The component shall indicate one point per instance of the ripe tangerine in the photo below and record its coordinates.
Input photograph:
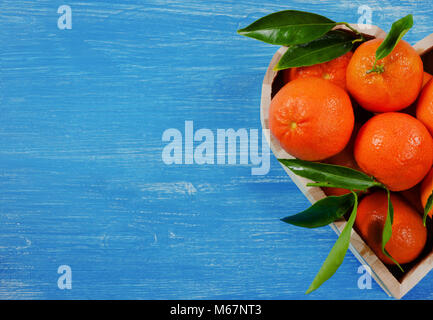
(396, 149)
(394, 86)
(311, 118)
(409, 235)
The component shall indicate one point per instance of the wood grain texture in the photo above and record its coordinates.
(82, 182)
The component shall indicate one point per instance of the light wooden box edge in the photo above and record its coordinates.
(358, 247)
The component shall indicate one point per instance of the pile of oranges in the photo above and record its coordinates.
(316, 116)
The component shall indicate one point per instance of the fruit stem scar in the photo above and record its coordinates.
(377, 68)
(293, 125)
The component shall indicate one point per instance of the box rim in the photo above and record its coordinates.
(358, 247)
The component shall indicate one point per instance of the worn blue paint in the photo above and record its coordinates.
(82, 182)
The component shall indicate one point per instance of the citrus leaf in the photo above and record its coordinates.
(336, 255)
(428, 208)
(288, 27)
(329, 175)
(398, 30)
(323, 212)
(387, 230)
(328, 47)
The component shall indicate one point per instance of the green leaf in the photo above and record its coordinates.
(288, 27)
(323, 212)
(328, 47)
(328, 175)
(428, 208)
(336, 255)
(387, 230)
(398, 30)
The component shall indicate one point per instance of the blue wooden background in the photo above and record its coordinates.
(82, 183)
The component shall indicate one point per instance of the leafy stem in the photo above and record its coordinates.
(361, 36)
(323, 212)
(329, 209)
(387, 230)
(311, 38)
(332, 45)
(428, 208)
(398, 30)
(338, 252)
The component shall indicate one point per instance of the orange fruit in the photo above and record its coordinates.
(391, 90)
(396, 149)
(426, 190)
(311, 118)
(424, 107)
(426, 78)
(409, 235)
(334, 71)
(412, 196)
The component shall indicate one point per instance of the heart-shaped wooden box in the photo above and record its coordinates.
(394, 282)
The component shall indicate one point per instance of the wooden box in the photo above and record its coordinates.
(393, 281)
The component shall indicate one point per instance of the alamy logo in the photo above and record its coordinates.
(366, 17)
(65, 20)
(181, 148)
(65, 280)
(364, 281)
